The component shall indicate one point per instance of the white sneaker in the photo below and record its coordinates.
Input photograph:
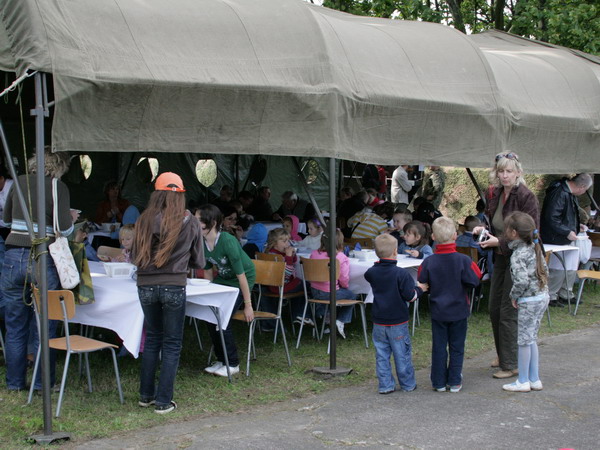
(222, 371)
(536, 385)
(517, 387)
(307, 321)
(215, 366)
(340, 328)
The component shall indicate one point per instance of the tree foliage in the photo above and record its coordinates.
(570, 23)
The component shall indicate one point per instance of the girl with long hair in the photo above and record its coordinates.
(167, 242)
(236, 269)
(529, 296)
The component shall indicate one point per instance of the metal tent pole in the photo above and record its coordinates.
(333, 369)
(40, 112)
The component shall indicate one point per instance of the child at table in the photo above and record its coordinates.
(399, 220)
(290, 224)
(529, 294)
(168, 241)
(392, 288)
(321, 290)
(313, 240)
(278, 243)
(81, 236)
(234, 268)
(416, 240)
(126, 237)
(450, 275)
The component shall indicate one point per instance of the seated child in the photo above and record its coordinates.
(126, 235)
(257, 238)
(313, 240)
(466, 240)
(400, 219)
(321, 290)
(449, 275)
(392, 288)
(290, 223)
(278, 243)
(416, 240)
(81, 236)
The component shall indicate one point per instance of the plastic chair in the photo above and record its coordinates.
(363, 242)
(110, 252)
(290, 296)
(318, 270)
(61, 306)
(268, 273)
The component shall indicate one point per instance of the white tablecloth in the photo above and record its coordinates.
(117, 306)
(357, 283)
(570, 254)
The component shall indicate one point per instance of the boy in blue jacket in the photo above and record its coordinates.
(450, 275)
(392, 288)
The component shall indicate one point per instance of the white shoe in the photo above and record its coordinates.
(307, 321)
(517, 387)
(340, 328)
(222, 371)
(536, 385)
(215, 366)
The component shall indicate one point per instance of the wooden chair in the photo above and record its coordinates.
(317, 270)
(110, 252)
(584, 275)
(289, 296)
(61, 306)
(363, 242)
(268, 273)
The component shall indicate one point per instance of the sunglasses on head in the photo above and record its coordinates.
(507, 156)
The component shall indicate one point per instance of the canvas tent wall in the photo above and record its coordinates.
(287, 78)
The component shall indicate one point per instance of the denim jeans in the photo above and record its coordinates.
(344, 313)
(19, 316)
(395, 340)
(164, 316)
(215, 336)
(447, 336)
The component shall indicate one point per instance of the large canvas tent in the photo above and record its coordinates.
(288, 78)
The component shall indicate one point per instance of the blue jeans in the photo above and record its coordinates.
(344, 313)
(447, 336)
(395, 340)
(19, 316)
(215, 336)
(164, 316)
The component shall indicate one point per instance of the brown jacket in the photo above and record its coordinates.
(519, 199)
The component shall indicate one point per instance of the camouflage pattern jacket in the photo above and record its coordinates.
(522, 270)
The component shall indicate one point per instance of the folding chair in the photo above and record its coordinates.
(317, 270)
(268, 273)
(583, 276)
(61, 306)
(363, 242)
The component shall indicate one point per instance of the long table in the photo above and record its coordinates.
(117, 306)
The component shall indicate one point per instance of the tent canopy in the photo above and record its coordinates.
(287, 78)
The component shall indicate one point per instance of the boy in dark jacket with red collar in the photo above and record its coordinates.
(450, 276)
(393, 287)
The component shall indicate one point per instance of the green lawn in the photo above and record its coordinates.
(87, 416)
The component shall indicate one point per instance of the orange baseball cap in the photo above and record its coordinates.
(169, 181)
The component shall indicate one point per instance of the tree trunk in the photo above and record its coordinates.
(499, 13)
(454, 6)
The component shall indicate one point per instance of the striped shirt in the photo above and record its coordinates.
(370, 225)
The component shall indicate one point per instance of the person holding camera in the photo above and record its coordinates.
(507, 194)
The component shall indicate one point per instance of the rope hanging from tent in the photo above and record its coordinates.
(17, 82)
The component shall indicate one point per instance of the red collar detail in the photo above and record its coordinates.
(445, 248)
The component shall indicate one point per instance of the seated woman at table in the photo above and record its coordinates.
(111, 209)
(167, 242)
(322, 290)
(278, 243)
(224, 253)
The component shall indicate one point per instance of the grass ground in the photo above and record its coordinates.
(99, 414)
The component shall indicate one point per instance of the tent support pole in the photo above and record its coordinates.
(474, 181)
(310, 195)
(40, 112)
(333, 369)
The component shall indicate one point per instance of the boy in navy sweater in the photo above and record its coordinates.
(450, 275)
(392, 288)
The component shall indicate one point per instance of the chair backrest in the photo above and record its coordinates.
(111, 252)
(55, 311)
(595, 238)
(547, 256)
(471, 252)
(318, 269)
(364, 242)
(268, 256)
(269, 273)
